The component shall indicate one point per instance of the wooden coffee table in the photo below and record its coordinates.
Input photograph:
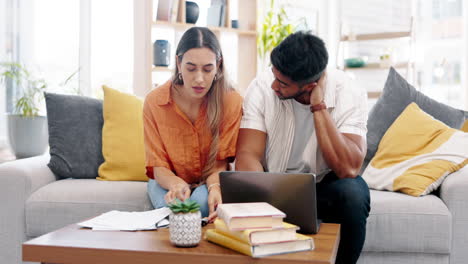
(73, 244)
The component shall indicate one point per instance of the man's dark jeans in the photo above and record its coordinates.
(347, 202)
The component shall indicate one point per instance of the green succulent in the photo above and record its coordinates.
(187, 206)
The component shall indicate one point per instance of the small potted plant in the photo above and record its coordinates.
(185, 223)
(27, 129)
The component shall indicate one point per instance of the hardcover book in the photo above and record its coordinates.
(259, 236)
(241, 216)
(301, 243)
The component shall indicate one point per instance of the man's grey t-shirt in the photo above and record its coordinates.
(303, 130)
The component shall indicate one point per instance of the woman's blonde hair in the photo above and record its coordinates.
(200, 37)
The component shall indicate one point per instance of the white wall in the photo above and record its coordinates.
(142, 36)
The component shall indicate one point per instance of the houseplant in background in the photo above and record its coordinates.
(185, 223)
(273, 30)
(27, 129)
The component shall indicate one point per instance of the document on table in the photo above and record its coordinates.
(129, 221)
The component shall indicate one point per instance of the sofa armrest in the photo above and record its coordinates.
(454, 193)
(18, 180)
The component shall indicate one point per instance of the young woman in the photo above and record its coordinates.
(191, 125)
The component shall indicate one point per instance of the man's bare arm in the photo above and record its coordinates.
(343, 153)
(250, 149)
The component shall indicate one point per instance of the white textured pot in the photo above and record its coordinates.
(28, 136)
(185, 229)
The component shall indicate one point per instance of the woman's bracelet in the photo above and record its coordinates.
(212, 185)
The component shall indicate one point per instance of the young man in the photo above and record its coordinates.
(300, 117)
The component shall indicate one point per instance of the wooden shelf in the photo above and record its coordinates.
(373, 95)
(377, 66)
(161, 69)
(184, 26)
(377, 36)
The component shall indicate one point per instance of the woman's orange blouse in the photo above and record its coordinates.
(173, 142)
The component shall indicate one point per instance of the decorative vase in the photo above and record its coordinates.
(185, 229)
(191, 12)
(28, 136)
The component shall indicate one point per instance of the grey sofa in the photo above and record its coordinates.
(400, 229)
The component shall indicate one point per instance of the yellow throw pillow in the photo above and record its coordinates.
(122, 138)
(416, 154)
(465, 126)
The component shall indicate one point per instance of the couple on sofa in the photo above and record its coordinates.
(191, 127)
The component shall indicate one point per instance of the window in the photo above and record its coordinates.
(56, 38)
(440, 50)
(94, 37)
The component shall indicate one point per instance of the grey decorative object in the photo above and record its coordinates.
(185, 229)
(191, 12)
(161, 53)
(28, 136)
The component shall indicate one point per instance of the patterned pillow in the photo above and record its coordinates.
(465, 126)
(397, 95)
(416, 154)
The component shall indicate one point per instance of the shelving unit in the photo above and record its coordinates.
(185, 26)
(407, 65)
(377, 36)
(376, 66)
(242, 62)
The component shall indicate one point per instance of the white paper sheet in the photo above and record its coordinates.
(127, 221)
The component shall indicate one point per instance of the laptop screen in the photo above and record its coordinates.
(292, 193)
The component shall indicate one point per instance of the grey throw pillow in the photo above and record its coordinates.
(397, 94)
(75, 135)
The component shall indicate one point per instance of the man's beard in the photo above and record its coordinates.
(294, 96)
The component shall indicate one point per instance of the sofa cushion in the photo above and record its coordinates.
(397, 94)
(122, 138)
(70, 201)
(403, 223)
(416, 154)
(75, 125)
(465, 127)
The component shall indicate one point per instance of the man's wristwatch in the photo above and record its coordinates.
(318, 107)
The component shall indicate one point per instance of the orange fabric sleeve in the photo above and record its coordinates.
(230, 127)
(156, 155)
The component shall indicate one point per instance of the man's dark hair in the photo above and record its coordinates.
(301, 56)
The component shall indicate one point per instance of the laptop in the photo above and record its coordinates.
(292, 193)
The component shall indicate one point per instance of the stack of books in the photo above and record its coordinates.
(257, 230)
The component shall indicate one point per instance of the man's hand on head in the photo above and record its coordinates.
(317, 94)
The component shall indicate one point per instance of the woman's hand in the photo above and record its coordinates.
(180, 190)
(214, 198)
